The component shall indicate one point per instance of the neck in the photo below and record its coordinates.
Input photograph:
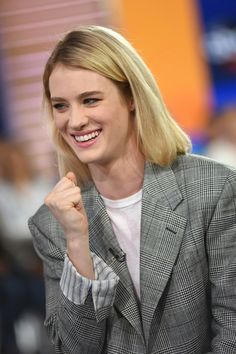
(120, 179)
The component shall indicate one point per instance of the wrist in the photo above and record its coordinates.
(73, 236)
(78, 245)
(82, 260)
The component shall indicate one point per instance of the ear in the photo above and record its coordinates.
(131, 104)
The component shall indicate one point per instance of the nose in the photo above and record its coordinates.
(77, 118)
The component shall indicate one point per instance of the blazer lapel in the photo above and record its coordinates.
(103, 242)
(161, 235)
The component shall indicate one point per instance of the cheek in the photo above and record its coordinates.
(119, 117)
(59, 122)
(124, 122)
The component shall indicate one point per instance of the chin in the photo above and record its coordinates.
(88, 157)
(87, 160)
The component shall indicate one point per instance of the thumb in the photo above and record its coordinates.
(70, 175)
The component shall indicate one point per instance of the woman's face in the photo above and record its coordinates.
(92, 116)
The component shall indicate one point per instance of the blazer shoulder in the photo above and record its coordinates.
(198, 164)
(201, 176)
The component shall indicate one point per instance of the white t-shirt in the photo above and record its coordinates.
(125, 216)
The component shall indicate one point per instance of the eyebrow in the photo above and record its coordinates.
(81, 96)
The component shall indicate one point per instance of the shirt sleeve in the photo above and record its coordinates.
(76, 287)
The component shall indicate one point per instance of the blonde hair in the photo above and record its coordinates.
(106, 52)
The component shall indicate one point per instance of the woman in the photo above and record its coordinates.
(138, 236)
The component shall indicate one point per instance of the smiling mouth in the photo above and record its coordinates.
(87, 137)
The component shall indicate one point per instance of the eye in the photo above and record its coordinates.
(60, 107)
(90, 101)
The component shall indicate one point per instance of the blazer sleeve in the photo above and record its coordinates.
(221, 249)
(76, 287)
(73, 328)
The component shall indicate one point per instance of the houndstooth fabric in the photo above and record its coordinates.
(187, 268)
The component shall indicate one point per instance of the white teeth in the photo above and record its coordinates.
(86, 137)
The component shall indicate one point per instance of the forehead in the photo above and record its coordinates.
(65, 78)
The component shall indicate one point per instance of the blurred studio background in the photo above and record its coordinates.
(190, 45)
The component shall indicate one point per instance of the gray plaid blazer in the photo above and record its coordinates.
(187, 268)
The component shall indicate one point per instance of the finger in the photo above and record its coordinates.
(71, 195)
(75, 197)
(71, 176)
(64, 200)
(64, 184)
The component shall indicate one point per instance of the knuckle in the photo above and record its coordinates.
(77, 189)
(47, 199)
(58, 204)
(52, 201)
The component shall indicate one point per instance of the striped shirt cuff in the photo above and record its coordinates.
(76, 287)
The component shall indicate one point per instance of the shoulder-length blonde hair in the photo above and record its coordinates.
(106, 52)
